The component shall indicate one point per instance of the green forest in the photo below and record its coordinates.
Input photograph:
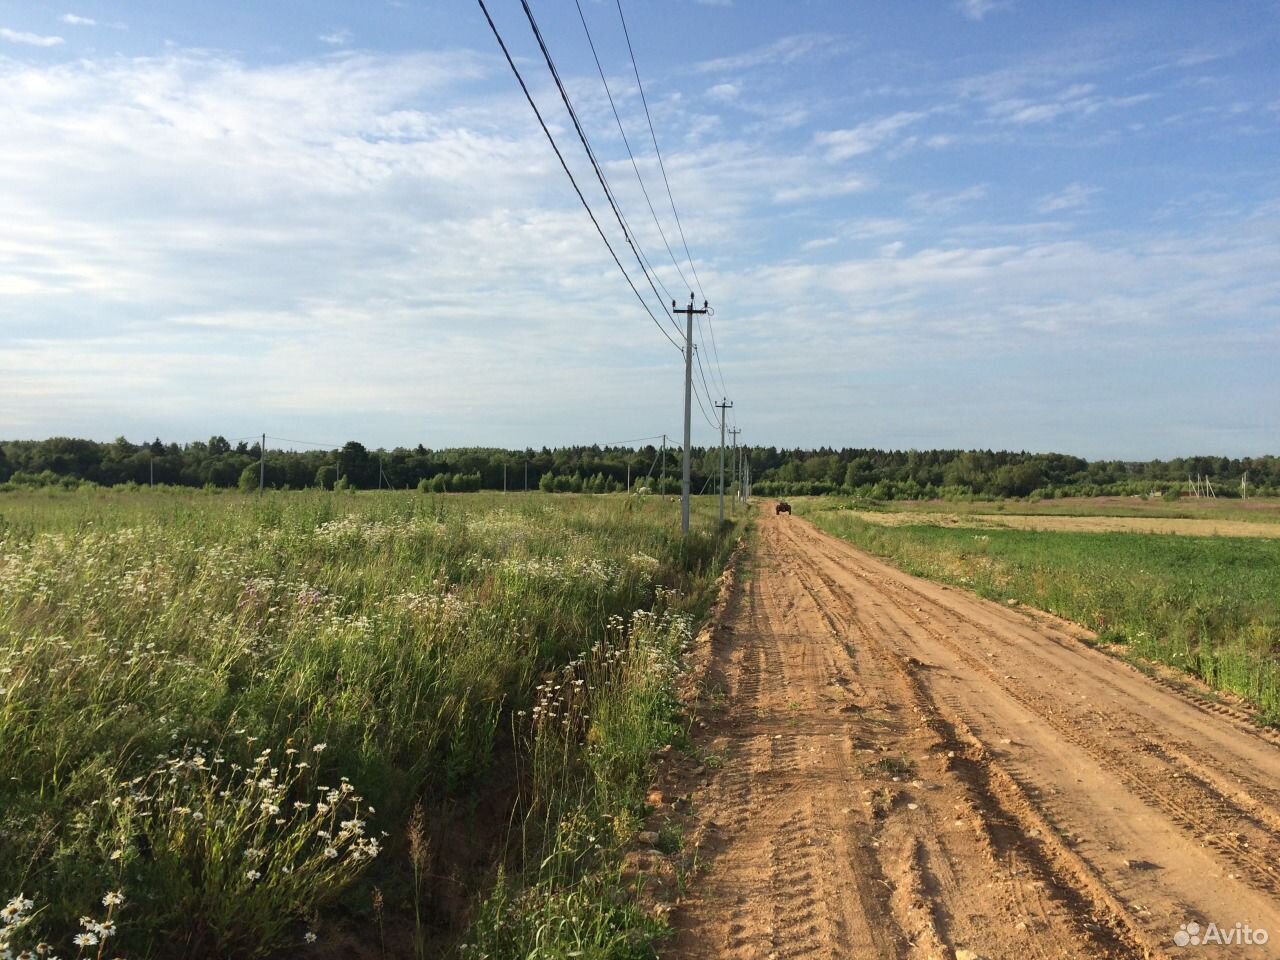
(875, 474)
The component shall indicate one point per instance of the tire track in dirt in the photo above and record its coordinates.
(1236, 823)
(1157, 829)
(855, 811)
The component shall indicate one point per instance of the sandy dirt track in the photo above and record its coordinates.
(904, 770)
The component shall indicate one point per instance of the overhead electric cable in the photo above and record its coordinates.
(559, 156)
(701, 373)
(706, 416)
(661, 166)
(308, 443)
(586, 145)
(715, 350)
(627, 143)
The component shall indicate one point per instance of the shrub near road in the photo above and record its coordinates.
(218, 713)
(1207, 605)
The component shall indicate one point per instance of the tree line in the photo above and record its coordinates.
(876, 474)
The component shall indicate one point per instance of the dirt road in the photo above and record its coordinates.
(898, 769)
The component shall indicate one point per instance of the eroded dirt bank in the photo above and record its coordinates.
(902, 770)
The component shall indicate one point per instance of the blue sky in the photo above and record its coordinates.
(990, 223)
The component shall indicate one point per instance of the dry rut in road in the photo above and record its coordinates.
(908, 771)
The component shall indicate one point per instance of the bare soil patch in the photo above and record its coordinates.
(904, 770)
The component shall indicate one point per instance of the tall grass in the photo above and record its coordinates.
(1206, 605)
(224, 708)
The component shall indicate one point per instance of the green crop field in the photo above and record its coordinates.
(235, 726)
(1206, 605)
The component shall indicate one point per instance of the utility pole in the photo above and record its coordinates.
(689, 313)
(504, 476)
(526, 474)
(262, 464)
(723, 405)
(734, 472)
(662, 483)
(151, 461)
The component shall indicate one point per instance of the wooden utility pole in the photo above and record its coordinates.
(723, 405)
(689, 313)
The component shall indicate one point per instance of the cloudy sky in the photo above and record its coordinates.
(992, 223)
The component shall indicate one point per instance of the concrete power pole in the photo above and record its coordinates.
(262, 464)
(662, 483)
(689, 313)
(723, 405)
(733, 474)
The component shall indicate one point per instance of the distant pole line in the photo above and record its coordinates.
(724, 405)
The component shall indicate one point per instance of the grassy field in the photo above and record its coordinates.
(1206, 605)
(375, 724)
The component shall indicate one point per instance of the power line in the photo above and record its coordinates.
(715, 349)
(661, 166)
(697, 355)
(706, 416)
(309, 443)
(591, 156)
(565, 166)
(627, 143)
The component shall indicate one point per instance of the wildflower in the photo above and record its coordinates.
(253, 875)
(319, 748)
(331, 852)
(15, 908)
(84, 939)
(309, 937)
(113, 898)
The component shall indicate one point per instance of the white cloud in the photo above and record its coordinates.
(30, 39)
(76, 21)
(978, 9)
(723, 91)
(336, 38)
(936, 202)
(820, 188)
(1080, 100)
(785, 50)
(1071, 197)
(865, 137)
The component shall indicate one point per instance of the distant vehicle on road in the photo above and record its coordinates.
(783, 507)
